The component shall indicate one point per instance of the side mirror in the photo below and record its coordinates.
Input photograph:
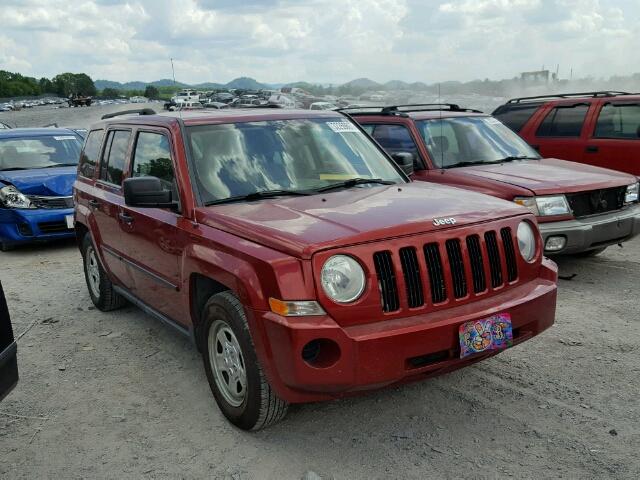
(146, 192)
(404, 161)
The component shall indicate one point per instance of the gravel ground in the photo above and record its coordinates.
(119, 395)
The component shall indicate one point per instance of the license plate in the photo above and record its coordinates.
(493, 333)
(69, 220)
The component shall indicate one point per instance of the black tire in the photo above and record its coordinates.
(5, 247)
(260, 407)
(105, 298)
(591, 253)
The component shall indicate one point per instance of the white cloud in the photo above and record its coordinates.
(318, 40)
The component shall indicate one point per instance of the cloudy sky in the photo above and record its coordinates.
(329, 41)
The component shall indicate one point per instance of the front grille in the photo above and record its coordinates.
(470, 261)
(51, 203)
(594, 202)
(53, 227)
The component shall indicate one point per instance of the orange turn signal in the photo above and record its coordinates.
(301, 308)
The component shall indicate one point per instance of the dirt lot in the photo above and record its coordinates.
(119, 395)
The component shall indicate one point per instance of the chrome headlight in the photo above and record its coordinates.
(526, 241)
(545, 205)
(11, 197)
(342, 279)
(632, 193)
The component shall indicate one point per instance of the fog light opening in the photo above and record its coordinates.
(555, 243)
(321, 353)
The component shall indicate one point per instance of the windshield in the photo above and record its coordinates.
(39, 152)
(471, 140)
(238, 159)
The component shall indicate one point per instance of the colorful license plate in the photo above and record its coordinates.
(493, 333)
(69, 220)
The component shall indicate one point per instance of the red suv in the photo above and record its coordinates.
(581, 209)
(298, 257)
(598, 128)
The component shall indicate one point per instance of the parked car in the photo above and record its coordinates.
(581, 209)
(298, 257)
(37, 171)
(8, 350)
(597, 128)
(322, 106)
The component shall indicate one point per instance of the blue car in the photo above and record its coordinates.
(37, 171)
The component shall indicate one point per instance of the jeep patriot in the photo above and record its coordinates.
(298, 257)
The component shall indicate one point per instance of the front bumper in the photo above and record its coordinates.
(382, 353)
(18, 226)
(594, 232)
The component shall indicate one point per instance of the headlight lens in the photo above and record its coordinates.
(342, 279)
(546, 205)
(632, 194)
(526, 241)
(11, 197)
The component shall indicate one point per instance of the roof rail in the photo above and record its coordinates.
(402, 110)
(603, 93)
(139, 111)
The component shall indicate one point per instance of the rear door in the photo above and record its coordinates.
(107, 203)
(559, 131)
(8, 349)
(614, 136)
(154, 237)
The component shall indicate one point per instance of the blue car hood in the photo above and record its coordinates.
(46, 181)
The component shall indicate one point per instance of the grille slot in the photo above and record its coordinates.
(386, 281)
(53, 227)
(509, 253)
(456, 264)
(50, 203)
(477, 267)
(436, 274)
(494, 258)
(411, 272)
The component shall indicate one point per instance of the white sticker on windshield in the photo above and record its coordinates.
(342, 127)
(66, 137)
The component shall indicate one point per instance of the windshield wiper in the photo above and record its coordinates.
(493, 162)
(13, 169)
(511, 158)
(258, 196)
(352, 182)
(61, 165)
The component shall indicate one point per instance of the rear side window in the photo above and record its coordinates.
(89, 157)
(619, 121)
(115, 157)
(152, 158)
(395, 139)
(515, 116)
(563, 121)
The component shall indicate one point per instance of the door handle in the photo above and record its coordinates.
(592, 148)
(126, 218)
(94, 203)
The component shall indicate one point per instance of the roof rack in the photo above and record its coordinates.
(402, 110)
(139, 111)
(604, 93)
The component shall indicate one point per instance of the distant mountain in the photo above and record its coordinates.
(362, 83)
(136, 85)
(245, 83)
(396, 85)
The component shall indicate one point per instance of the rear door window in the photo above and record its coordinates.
(563, 121)
(115, 157)
(395, 139)
(89, 157)
(619, 121)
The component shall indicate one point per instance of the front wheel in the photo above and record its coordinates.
(101, 290)
(236, 379)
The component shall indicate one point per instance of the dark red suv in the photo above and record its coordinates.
(298, 257)
(581, 209)
(598, 128)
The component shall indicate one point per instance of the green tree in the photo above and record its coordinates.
(151, 92)
(110, 93)
(67, 84)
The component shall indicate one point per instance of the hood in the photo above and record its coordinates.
(53, 182)
(301, 226)
(550, 176)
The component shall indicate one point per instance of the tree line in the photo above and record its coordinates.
(65, 84)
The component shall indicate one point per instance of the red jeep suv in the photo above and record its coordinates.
(598, 128)
(298, 257)
(581, 209)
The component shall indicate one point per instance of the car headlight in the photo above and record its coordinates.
(526, 241)
(545, 205)
(11, 197)
(632, 193)
(342, 279)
